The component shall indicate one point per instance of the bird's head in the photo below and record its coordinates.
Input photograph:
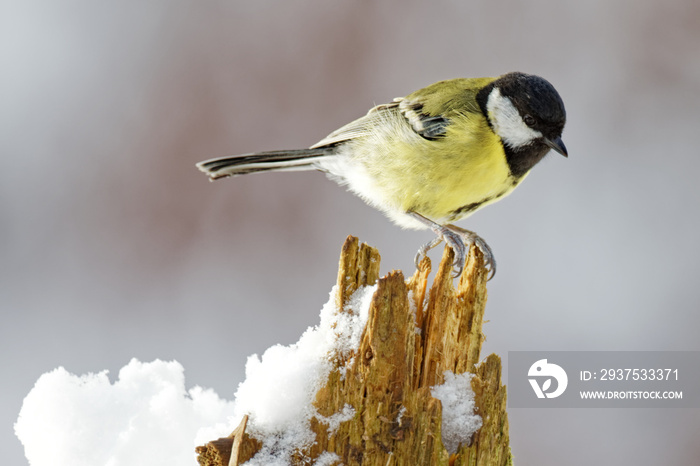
(527, 113)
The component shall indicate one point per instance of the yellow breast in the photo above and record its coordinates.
(444, 179)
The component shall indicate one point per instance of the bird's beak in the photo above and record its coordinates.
(557, 144)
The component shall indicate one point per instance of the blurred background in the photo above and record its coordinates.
(114, 246)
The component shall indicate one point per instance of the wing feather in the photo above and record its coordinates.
(428, 111)
(360, 127)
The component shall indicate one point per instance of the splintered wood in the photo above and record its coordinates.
(411, 338)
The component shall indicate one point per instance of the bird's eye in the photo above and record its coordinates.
(529, 120)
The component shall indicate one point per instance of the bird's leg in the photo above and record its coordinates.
(452, 238)
(472, 238)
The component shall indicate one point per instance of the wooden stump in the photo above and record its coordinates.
(411, 338)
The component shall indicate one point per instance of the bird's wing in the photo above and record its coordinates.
(428, 126)
(428, 111)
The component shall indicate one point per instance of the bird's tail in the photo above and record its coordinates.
(277, 160)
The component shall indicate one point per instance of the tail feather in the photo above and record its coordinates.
(282, 160)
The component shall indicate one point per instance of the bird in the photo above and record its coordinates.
(433, 157)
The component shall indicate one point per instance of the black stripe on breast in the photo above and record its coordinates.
(469, 208)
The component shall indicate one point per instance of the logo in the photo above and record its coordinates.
(543, 370)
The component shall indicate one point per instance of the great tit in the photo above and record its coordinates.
(435, 156)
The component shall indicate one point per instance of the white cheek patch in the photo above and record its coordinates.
(507, 122)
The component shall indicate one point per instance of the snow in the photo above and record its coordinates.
(148, 417)
(327, 459)
(459, 422)
(334, 421)
(145, 417)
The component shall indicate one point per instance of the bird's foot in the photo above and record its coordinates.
(472, 238)
(459, 240)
